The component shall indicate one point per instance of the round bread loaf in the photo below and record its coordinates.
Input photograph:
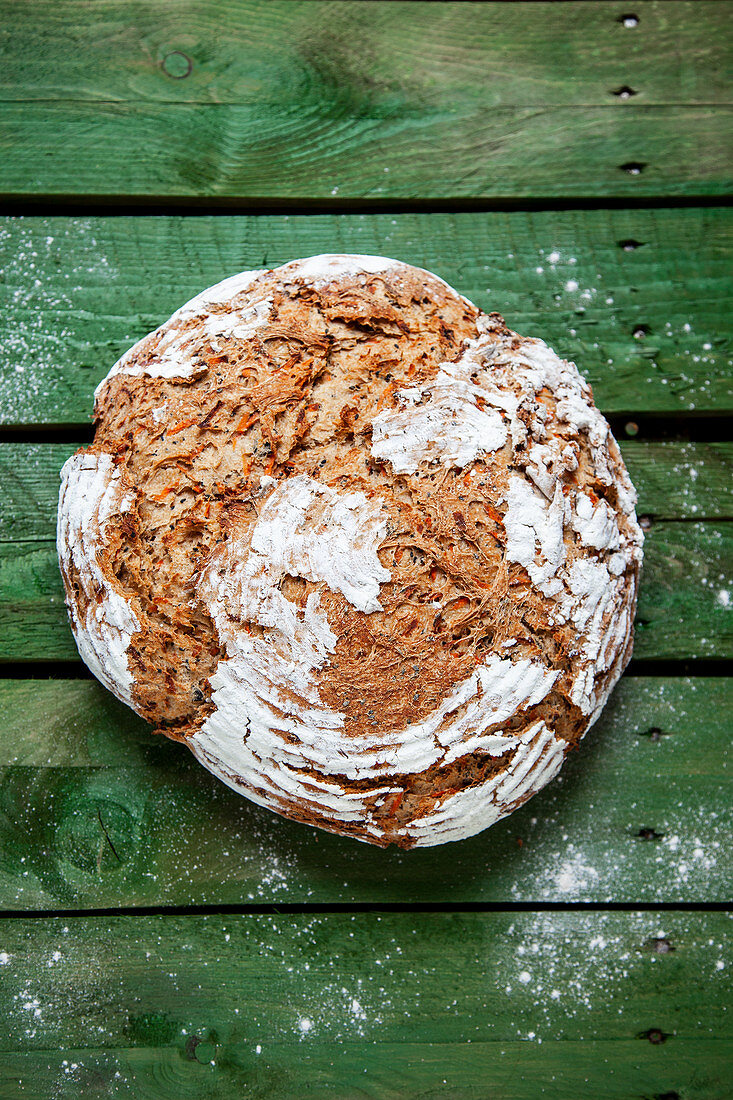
(369, 554)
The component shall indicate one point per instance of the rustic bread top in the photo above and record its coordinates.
(369, 553)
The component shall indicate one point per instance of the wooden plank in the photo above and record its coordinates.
(496, 55)
(513, 1070)
(686, 590)
(368, 1005)
(99, 813)
(321, 100)
(29, 473)
(674, 480)
(229, 152)
(684, 605)
(666, 476)
(32, 613)
(77, 292)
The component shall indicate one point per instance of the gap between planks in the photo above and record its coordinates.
(683, 427)
(354, 908)
(60, 205)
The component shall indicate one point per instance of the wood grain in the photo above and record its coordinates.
(363, 100)
(403, 1070)
(280, 55)
(368, 1006)
(98, 812)
(685, 592)
(226, 152)
(77, 292)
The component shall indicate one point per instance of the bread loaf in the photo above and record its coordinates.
(369, 554)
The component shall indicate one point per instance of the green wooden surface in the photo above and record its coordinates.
(363, 100)
(96, 812)
(379, 1005)
(683, 613)
(225, 151)
(270, 53)
(250, 105)
(684, 601)
(569, 1070)
(77, 292)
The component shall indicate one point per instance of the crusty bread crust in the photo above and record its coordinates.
(371, 555)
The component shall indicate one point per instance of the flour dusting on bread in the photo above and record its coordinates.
(101, 618)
